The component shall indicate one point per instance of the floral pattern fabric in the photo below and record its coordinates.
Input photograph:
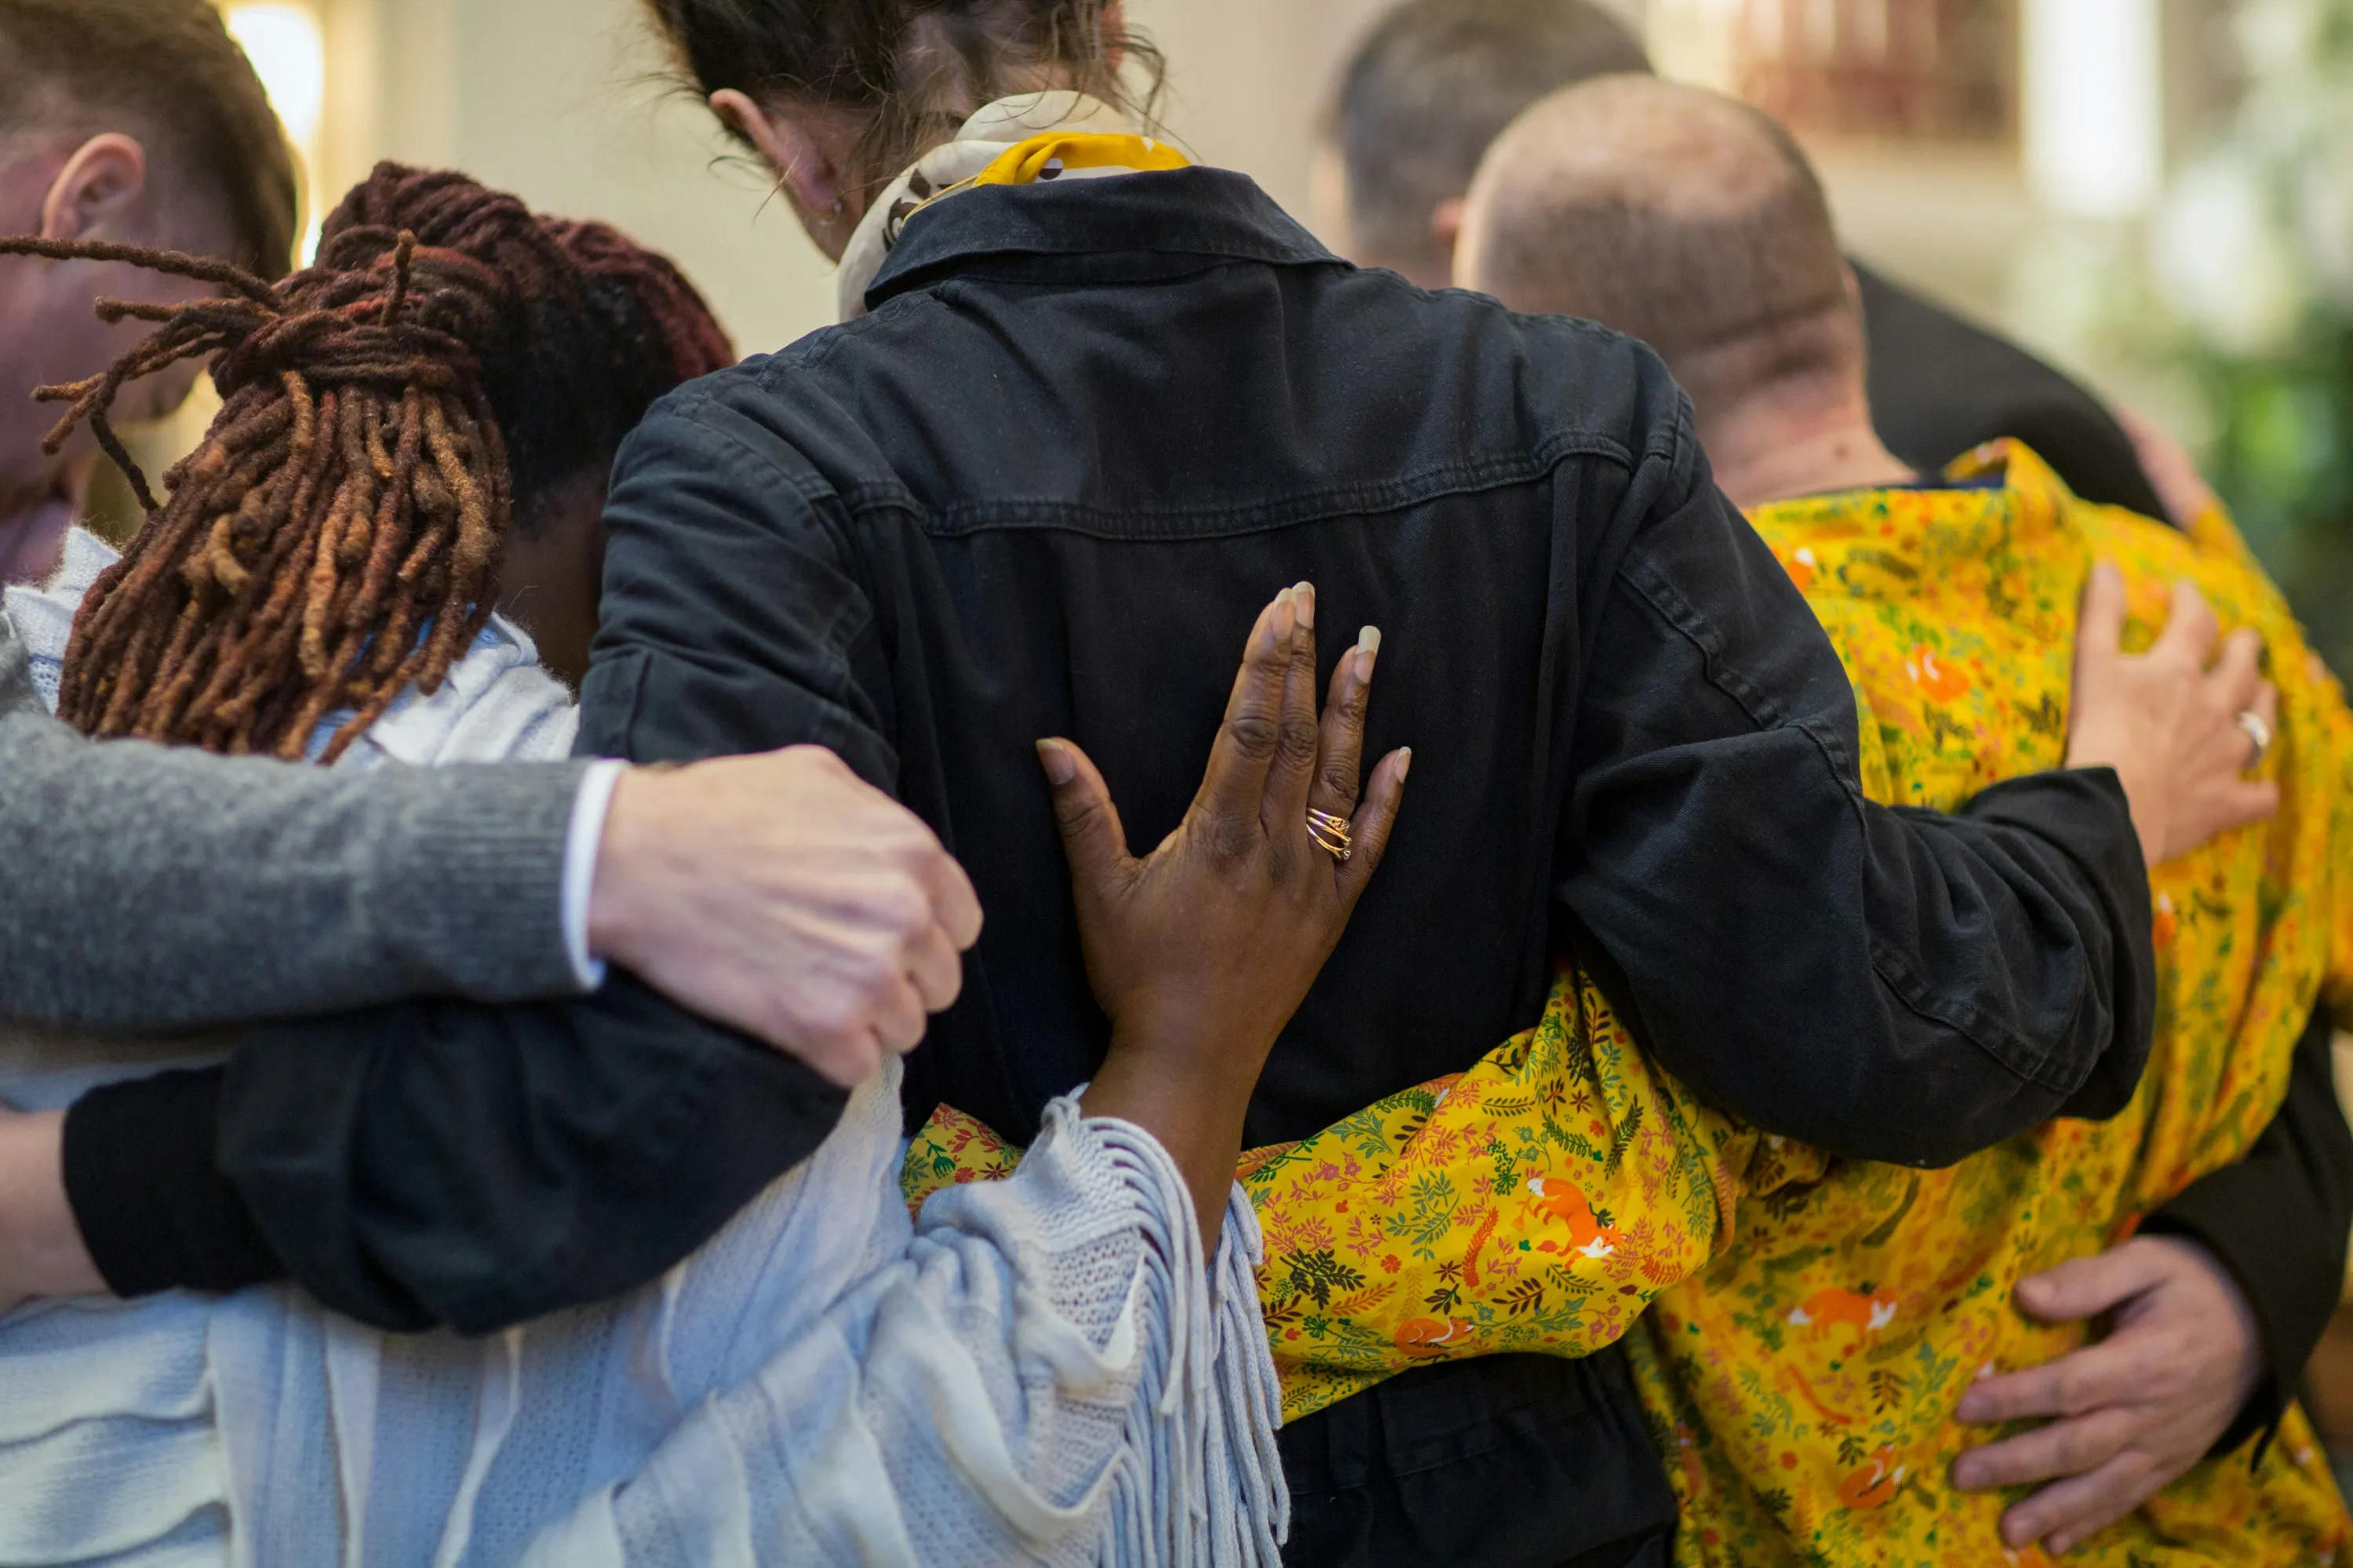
(1538, 1201)
(1816, 1320)
(1802, 1386)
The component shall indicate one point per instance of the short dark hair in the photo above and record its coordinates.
(168, 68)
(914, 69)
(1679, 216)
(1434, 83)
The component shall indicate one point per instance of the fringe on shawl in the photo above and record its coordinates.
(1202, 1425)
(1196, 1481)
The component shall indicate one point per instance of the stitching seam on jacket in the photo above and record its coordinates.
(1182, 524)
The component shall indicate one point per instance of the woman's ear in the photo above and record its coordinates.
(1446, 222)
(97, 191)
(812, 148)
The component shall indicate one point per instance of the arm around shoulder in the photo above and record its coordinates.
(474, 1165)
(163, 891)
(1885, 985)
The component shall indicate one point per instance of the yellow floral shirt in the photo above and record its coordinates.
(1816, 1319)
(1802, 1386)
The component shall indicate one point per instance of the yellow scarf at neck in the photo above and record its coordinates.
(1027, 140)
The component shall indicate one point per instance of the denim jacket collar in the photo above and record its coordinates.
(1157, 225)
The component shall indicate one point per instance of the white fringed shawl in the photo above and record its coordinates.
(1040, 1371)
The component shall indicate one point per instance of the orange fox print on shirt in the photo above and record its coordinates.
(1565, 1203)
(1866, 1312)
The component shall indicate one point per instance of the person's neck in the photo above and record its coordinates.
(1793, 442)
(36, 512)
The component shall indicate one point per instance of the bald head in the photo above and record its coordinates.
(1673, 215)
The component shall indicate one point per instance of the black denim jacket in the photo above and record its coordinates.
(1043, 489)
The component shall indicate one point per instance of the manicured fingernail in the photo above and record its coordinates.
(1285, 617)
(1055, 759)
(1304, 595)
(1405, 762)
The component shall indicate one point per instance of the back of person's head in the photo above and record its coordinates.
(1676, 215)
(591, 328)
(166, 73)
(1429, 87)
(905, 72)
(390, 417)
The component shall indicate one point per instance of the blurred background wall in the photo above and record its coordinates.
(2007, 153)
(564, 102)
(2156, 194)
(1956, 132)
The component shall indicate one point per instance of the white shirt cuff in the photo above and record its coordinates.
(581, 844)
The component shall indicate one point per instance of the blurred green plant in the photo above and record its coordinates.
(2252, 256)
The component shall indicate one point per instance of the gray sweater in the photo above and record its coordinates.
(153, 889)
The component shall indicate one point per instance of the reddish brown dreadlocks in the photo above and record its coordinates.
(338, 536)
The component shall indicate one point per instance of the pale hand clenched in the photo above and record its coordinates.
(783, 896)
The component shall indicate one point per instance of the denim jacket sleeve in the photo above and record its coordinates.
(442, 1164)
(735, 616)
(1886, 983)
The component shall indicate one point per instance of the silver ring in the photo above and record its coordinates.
(1331, 833)
(2260, 733)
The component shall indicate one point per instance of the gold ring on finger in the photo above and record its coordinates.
(1331, 833)
(2260, 733)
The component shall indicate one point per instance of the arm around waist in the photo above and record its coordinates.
(2279, 1221)
(438, 1164)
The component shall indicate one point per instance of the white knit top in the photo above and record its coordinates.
(496, 704)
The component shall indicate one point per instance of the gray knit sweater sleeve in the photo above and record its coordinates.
(153, 890)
